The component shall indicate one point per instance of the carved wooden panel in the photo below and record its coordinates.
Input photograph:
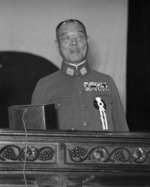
(33, 153)
(74, 159)
(106, 154)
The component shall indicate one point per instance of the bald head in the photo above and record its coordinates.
(71, 21)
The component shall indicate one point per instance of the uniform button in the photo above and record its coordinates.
(58, 104)
(84, 107)
(82, 91)
(84, 124)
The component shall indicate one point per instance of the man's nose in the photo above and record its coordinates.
(74, 41)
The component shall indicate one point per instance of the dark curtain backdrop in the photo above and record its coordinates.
(19, 73)
(138, 66)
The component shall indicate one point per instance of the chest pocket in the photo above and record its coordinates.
(60, 101)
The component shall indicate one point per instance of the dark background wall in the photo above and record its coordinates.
(138, 66)
(19, 73)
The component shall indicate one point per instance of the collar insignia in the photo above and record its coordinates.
(70, 71)
(83, 71)
(74, 70)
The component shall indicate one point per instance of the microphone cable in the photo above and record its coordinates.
(26, 147)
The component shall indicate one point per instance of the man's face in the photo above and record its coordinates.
(72, 42)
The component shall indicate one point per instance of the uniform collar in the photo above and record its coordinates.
(75, 70)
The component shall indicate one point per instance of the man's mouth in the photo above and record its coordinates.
(74, 50)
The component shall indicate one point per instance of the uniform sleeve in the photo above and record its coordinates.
(38, 96)
(119, 119)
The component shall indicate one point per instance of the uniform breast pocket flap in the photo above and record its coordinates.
(61, 101)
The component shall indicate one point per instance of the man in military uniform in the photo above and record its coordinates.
(85, 99)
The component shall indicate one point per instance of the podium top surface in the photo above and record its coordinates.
(77, 133)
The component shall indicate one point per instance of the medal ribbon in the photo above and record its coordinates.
(102, 113)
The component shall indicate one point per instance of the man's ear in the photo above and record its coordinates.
(57, 45)
(88, 39)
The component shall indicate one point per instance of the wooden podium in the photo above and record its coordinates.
(74, 159)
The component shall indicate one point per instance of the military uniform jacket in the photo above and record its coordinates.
(85, 99)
